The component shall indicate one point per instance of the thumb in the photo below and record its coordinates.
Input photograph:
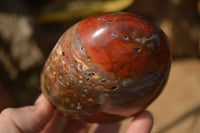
(29, 119)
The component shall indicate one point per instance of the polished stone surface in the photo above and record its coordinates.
(107, 67)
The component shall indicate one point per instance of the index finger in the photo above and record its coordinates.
(142, 123)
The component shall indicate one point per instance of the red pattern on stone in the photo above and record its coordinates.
(107, 67)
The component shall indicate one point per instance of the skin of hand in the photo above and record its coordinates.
(43, 118)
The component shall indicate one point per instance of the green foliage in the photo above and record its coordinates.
(64, 10)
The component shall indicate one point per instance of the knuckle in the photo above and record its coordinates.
(7, 112)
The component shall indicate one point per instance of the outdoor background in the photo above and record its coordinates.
(30, 28)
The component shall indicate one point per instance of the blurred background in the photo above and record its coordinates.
(30, 28)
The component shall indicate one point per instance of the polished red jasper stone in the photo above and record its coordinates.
(107, 67)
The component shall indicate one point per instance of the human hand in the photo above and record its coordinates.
(41, 117)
